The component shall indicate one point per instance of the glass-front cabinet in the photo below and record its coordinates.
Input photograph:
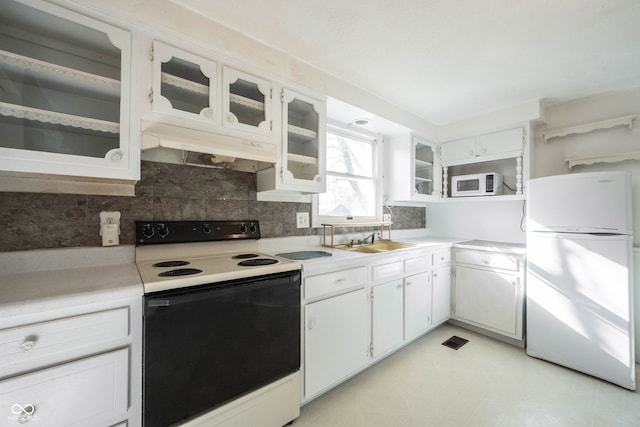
(183, 84)
(303, 141)
(422, 165)
(64, 94)
(246, 102)
(409, 169)
(301, 162)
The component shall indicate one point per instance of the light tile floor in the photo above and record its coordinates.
(484, 383)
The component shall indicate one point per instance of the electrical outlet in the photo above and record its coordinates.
(110, 228)
(386, 217)
(302, 219)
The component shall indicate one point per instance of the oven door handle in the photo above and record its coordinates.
(159, 303)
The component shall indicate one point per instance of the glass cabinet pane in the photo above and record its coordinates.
(247, 102)
(184, 85)
(423, 167)
(302, 139)
(60, 88)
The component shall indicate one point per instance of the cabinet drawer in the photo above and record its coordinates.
(442, 258)
(417, 265)
(88, 392)
(336, 282)
(387, 271)
(488, 259)
(39, 340)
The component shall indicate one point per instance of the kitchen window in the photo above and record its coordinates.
(353, 187)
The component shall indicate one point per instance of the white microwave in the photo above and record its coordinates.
(480, 184)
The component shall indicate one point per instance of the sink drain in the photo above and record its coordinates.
(455, 342)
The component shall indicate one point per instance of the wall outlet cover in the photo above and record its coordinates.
(302, 219)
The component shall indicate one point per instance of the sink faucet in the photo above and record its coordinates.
(372, 236)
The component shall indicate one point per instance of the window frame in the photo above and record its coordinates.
(376, 141)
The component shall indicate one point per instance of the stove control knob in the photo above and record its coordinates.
(147, 230)
(252, 228)
(206, 229)
(163, 230)
(243, 228)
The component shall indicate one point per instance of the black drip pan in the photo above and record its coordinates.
(455, 342)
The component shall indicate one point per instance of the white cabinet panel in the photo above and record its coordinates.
(488, 299)
(388, 271)
(492, 146)
(441, 295)
(332, 283)
(95, 392)
(458, 150)
(417, 304)
(387, 317)
(501, 142)
(335, 339)
(488, 259)
(26, 344)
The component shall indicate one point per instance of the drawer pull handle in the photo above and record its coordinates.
(338, 281)
(29, 342)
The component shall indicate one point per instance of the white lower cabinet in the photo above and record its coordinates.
(336, 335)
(441, 295)
(489, 291)
(487, 298)
(78, 366)
(386, 317)
(417, 304)
(88, 392)
(335, 339)
(355, 316)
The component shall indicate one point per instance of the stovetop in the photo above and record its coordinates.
(230, 254)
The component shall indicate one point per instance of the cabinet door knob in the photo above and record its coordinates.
(29, 342)
(208, 112)
(319, 179)
(117, 155)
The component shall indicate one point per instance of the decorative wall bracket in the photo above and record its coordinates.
(589, 127)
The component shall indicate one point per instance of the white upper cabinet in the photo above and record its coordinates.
(301, 165)
(411, 169)
(246, 102)
(492, 146)
(64, 94)
(183, 84)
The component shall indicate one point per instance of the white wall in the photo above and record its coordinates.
(498, 221)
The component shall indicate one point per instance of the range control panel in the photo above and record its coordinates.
(156, 232)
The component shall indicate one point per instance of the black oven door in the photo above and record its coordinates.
(206, 345)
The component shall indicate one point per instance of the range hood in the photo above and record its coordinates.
(222, 147)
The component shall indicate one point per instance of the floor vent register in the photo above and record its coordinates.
(455, 342)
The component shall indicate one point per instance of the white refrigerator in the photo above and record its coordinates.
(579, 274)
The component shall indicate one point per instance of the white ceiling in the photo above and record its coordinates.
(447, 60)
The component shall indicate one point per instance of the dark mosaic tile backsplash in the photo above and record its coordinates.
(165, 192)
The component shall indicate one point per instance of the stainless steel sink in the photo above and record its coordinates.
(377, 247)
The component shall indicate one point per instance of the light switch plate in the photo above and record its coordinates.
(302, 219)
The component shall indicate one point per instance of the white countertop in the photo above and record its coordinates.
(59, 282)
(341, 259)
